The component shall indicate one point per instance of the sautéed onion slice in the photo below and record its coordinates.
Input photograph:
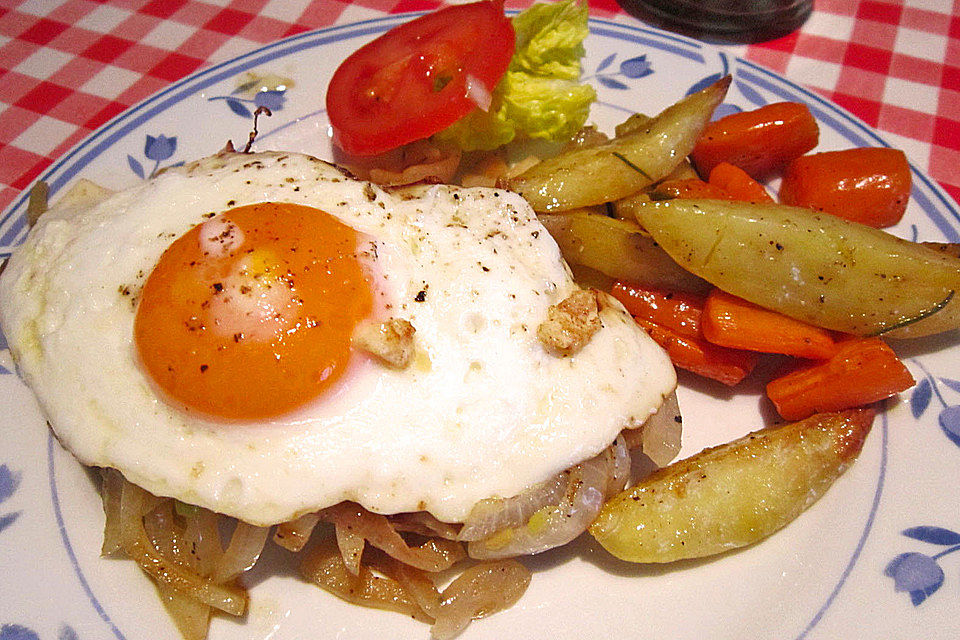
(587, 486)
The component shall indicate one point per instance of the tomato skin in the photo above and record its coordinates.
(415, 79)
(868, 185)
(759, 141)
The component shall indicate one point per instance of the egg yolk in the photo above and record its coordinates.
(250, 314)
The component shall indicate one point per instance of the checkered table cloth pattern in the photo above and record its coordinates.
(68, 66)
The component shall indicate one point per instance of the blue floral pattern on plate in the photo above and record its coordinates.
(632, 68)
(919, 574)
(3, 346)
(19, 632)
(9, 481)
(157, 148)
(930, 387)
(258, 92)
(272, 100)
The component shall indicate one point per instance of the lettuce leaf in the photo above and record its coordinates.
(550, 40)
(540, 95)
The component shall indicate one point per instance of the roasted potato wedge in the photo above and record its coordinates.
(818, 268)
(683, 171)
(626, 208)
(633, 123)
(732, 495)
(949, 248)
(619, 249)
(623, 166)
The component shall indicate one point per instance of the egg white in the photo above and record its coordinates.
(483, 411)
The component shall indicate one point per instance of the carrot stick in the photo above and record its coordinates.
(688, 188)
(673, 319)
(867, 185)
(738, 184)
(864, 370)
(698, 356)
(733, 322)
(680, 312)
(759, 141)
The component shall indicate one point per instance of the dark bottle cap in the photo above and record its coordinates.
(750, 20)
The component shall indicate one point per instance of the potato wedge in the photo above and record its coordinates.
(949, 248)
(626, 208)
(682, 171)
(623, 166)
(818, 268)
(634, 122)
(734, 494)
(619, 249)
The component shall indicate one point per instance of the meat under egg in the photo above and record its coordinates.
(198, 332)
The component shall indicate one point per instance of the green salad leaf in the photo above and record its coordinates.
(540, 96)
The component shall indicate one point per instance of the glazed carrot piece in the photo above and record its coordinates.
(726, 182)
(864, 370)
(869, 185)
(680, 312)
(673, 319)
(698, 356)
(688, 188)
(738, 184)
(733, 322)
(759, 141)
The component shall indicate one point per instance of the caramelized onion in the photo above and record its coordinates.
(323, 565)
(424, 524)
(416, 582)
(480, 591)
(618, 457)
(137, 544)
(351, 543)
(246, 545)
(111, 488)
(495, 514)
(37, 205)
(191, 616)
(662, 431)
(293, 535)
(588, 485)
(436, 554)
(420, 161)
(202, 544)
(166, 536)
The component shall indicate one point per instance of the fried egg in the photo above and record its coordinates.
(197, 333)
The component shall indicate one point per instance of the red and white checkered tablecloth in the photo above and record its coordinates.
(68, 66)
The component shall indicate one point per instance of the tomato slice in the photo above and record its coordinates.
(418, 78)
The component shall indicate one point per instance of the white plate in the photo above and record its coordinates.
(830, 574)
